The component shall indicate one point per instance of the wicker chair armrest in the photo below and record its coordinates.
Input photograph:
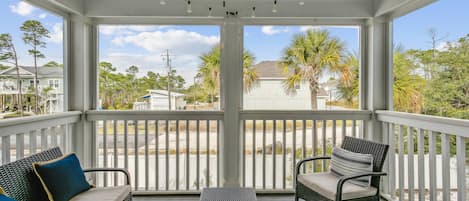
(300, 163)
(126, 173)
(343, 179)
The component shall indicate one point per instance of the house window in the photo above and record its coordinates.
(188, 59)
(279, 76)
(54, 84)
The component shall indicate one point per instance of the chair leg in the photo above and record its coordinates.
(296, 198)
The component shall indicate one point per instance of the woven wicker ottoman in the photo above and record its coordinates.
(228, 194)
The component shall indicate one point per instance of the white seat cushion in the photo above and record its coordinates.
(118, 193)
(326, 185)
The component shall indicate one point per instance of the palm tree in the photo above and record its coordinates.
(307, 57)
(210, 71)
(349, 79)
(408, 84)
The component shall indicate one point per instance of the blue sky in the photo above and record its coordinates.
(12, 15)
(143, 45)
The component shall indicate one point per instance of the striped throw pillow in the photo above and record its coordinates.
(345, 163)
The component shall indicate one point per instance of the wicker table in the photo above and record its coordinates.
(228, 194)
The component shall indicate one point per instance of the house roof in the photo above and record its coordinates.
(270, 69)
(42, 72)
(165, 93)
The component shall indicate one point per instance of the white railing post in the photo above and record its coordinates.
(461, 158)
(231, 96)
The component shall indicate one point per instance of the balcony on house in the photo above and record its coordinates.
(234, 139)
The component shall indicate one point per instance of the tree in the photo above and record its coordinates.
(8, 54)
(449, 92)
(307, 57)
(349, 79)
(408, 84)
(106, 82)
(45, 92)
(33, 35)
(52, 64)
(210, 71)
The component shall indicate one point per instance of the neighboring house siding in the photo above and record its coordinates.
(158, 100)
(270, 95)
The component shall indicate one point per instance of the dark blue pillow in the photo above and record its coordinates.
(3, 196)
(62, 178)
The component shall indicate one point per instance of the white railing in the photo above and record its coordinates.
(273, 141)
(164, 151)
(427, 156)
(24, 136)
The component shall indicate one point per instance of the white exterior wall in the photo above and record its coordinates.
(160, 102)
(270, 95)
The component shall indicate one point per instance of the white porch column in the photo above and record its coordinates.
(231, 96)
(82, 84)
(378, 73)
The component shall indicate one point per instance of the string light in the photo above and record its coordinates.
(210, 11)
(253, 13)
(274, 8)
(189, 7)
(163, 2)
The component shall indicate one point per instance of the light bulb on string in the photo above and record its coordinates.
(274, 8)
(189, 7)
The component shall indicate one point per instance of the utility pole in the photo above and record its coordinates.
(166, 57)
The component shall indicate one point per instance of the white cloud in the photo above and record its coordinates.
(444, 46)
(271, 30)
(179, 41)
(126, 30)
(306, 28)
(56, 36)
(43, 15)
(22, 8)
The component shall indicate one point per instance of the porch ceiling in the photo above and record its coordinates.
(361, 9)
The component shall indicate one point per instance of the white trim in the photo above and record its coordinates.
(26, 124)
(94, 115)
(451, 126)
(306, 115)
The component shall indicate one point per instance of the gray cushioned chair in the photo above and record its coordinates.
(327, 186)
(21, 183)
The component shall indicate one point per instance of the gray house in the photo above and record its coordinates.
(50, 86)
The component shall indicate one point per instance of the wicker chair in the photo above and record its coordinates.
(339, 185)
(20, 182)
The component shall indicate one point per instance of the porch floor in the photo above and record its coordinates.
(196, 198)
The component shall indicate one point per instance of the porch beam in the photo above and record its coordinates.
(61, 6)
(319, 9)
(397, 8)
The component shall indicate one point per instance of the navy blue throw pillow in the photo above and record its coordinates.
(3, 196)
(62, 178)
